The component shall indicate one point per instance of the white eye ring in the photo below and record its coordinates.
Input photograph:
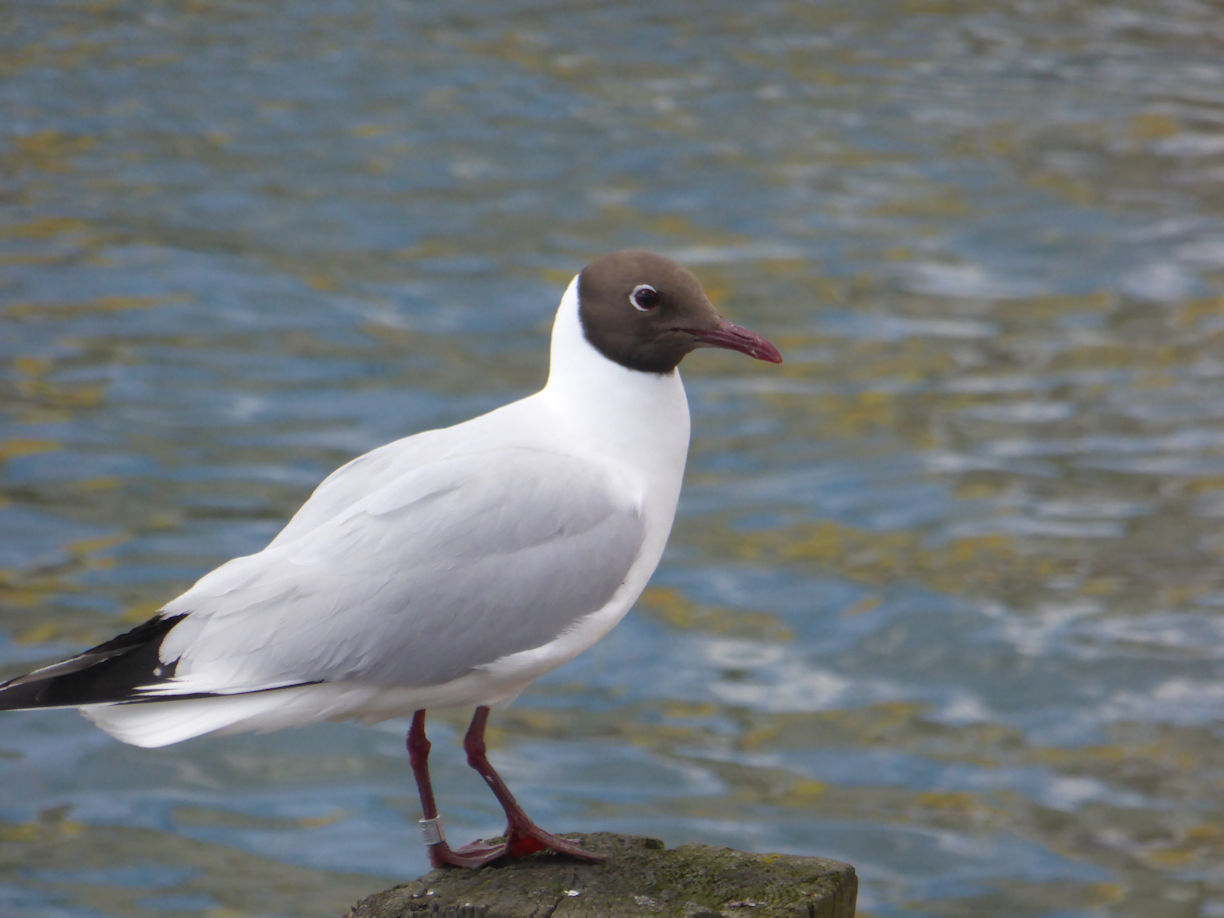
(644, 298)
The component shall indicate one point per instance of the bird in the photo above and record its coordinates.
(450, 568)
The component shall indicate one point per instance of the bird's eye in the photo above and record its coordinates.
(644, 298)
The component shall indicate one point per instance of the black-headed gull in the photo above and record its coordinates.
(452, 567)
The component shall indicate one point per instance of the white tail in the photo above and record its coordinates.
(161, 723)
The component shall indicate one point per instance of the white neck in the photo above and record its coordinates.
(635, 418)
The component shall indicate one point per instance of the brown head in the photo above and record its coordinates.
(646, 312)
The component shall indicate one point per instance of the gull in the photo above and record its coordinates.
(449, 568)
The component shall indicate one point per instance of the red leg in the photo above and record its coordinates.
(440, 853)
(522, 835)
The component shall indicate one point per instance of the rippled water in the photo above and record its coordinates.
(944, 598)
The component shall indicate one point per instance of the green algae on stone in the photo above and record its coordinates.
(640, 878)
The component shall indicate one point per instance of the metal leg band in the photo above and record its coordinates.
(431, 831)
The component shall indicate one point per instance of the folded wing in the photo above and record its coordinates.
(440, 569)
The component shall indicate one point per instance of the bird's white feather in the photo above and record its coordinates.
(451, 567)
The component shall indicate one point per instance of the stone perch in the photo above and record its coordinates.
(641, 878)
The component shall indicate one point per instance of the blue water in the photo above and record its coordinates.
(944, 595)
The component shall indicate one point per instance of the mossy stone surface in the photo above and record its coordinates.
(640, 878)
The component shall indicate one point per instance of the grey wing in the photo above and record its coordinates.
(360, 477)
(450, 566)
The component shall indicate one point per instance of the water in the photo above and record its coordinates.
(944, 595)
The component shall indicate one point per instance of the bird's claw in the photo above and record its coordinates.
(528, 840)
(518, 843)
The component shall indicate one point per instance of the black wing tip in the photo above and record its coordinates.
(107, 673)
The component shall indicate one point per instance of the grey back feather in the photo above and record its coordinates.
(443, 568)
